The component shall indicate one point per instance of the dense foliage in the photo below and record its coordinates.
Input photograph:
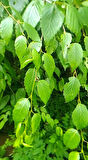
(43, 79)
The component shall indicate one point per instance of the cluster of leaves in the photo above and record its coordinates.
(44, 51)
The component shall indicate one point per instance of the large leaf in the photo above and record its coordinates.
(71, 138)
(71, 89)
(35, 122)
(29, 80)
(49, 64)
(75, 55)
(17, 4)
(20, 46)
(74, 156)
(51, 21)
(31, 14)
(80, 116)
(6, 28)
(44, 90)
(31, 31)
(72, 20)
(83, 15)
(21, 110)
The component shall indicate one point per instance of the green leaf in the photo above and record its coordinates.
(71, 138)
(4, 101)
(2, 84)
(6, 29)
(21, 109)
(86, 42)
(31, 14)
(29, 80)
(75, 55)
(57, 71)
(61, 85)
(42, 87)
(72, 20)
(59, 131)
(66, 39)
(26, 59)
(20, 93)
(83, 15)
(50, 120)
(2, 47)
(35, 45)
(17, 4)
(51, 45)
(19, 130)
(36, 59)
(31, 31)
(80, 116)
(74, 156)
(51, 21)
(35, 122)
(49, 64)
(3, 121)
(20, 46)
(71, 89)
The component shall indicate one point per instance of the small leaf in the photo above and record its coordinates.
(71, 138)
(59, 131)
(71, 89)
(50, 120)
(75, 55)
(6, 28)
(61, 85)
(36, 59)
(35, 45)
(35, 122)
(42, 87)
(74, 156)
(20, 46)
(29, 80)
(21, 109)
(49, 64)
(51, 21)
(80, 116)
